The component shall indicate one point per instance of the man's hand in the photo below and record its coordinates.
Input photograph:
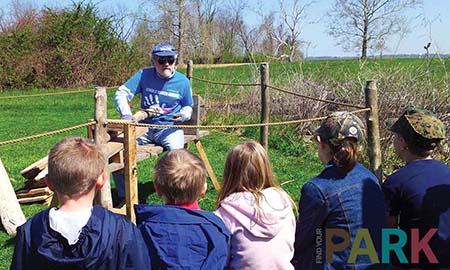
(183, 115)
(178, 117)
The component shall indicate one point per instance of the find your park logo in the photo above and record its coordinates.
(393, 242)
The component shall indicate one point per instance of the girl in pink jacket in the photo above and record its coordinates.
(258, 212)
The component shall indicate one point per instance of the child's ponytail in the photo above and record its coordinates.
(345, 154)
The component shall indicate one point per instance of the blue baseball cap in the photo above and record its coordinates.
(164, 49)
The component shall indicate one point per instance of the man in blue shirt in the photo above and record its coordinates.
(166, 93)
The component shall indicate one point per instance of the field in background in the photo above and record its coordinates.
(400, 81)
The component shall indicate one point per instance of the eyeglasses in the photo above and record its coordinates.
(166, 59)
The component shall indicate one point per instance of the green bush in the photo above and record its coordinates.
(64, 48)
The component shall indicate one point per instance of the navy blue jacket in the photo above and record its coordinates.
(108, 241)
(420, 194)
(179, 238)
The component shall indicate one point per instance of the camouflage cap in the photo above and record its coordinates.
(422, 122)
(341, 125)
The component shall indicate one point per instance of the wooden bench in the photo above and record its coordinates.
(120, 160)
(123, 154)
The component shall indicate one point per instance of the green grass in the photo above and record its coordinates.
(294, 161)
(23, 117)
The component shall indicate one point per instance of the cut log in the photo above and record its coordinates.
(35, 199)
(41, 175)
(30, 184)
(10, 211)
(27, 193)
(34, 169)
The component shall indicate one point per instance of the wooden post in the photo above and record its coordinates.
(264, 131)
(101, 137)
(10, 212)
(190, 68)
(130, 169)
(373, 129)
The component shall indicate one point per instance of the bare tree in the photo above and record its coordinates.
(284, 28)
(248, 38)
(173, 15)
(381, 46)
(292, 14)
(200, 32)
(360, 24)
(144, 37)
(228, 25)
(266, 45)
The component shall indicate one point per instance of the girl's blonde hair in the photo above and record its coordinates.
(247, 168)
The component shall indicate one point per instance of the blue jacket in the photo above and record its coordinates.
(179, 238)
(108, 241)
(419, 194)
(333, 200)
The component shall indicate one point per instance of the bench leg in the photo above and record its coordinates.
(209, 169)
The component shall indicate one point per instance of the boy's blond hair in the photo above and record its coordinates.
(74, 165)
(180, 176)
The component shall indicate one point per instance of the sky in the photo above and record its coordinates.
(428, 23)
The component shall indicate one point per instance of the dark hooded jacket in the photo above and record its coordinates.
(108, 241)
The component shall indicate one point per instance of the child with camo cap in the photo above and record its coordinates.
(344, 196)
(418, 194)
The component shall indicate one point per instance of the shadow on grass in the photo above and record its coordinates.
(144, 191)
(10, 242)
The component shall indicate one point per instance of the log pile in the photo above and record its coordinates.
(35, 189)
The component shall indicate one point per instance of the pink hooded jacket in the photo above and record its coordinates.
(264, 243)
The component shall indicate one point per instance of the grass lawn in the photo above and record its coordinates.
(294, 160)
(24, 116)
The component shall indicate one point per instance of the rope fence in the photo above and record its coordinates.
(128, 122)
(53, 94)
(225, 83)
(282, 90)
(316, 99)
(32, 137)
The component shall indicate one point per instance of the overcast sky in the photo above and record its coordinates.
(429, 23)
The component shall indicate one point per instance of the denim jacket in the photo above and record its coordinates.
(333, 200)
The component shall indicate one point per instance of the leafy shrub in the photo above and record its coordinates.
(64, 48)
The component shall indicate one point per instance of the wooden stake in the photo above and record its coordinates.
(101, 137)
(190, 68)
(373, 130)
(264, 131)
